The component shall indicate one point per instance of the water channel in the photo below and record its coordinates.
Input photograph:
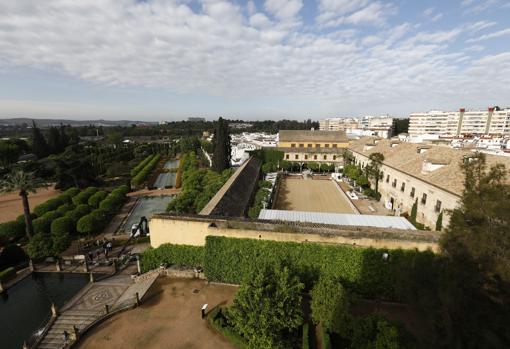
(25, 307)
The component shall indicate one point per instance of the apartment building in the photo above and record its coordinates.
(313, 146)
(381, 126)
(429, 174)
(493, 121)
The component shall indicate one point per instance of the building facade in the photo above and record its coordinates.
(429, 175)
(493, 121)
(313, 146)
(380, 126)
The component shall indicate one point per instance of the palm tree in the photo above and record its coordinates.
(374, 169)
(25, 183)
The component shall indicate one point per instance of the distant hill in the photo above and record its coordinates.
(56, 122)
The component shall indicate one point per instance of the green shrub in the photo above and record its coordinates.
(61, 240)
(43, 224)
(50, 205)
(83, 197)
(40, 246)
(72, 191)
(182, 255)
(217, 320)
(96, 198)
(64, 208)
(7, 274)
(372, 193)
(329, 305)
(141, 165)
(140, 176)
(12, 229)
(373, 331)
(12, 255)
(87, 225)
(62, 225)
(78, 212)
(360, 269)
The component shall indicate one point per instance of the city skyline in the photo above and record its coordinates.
(168, 60)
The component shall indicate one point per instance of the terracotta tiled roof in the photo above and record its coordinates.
(406, 158)
(312, 136)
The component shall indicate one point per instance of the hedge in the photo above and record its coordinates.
(182, 255)
(140, 177)
(12, 229)
(62, 225)
(50, 205)
(78, 212)
(141, 165)
(43, 223)
(72, 191)
(83, 197)
(96, 198)
(7, 274)
(64, 208)
(362, 270)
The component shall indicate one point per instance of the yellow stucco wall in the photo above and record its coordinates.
(314, 144)
(189, 232)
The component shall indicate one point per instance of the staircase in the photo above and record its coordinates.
(54, 338)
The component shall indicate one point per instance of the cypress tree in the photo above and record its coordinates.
(414, 211)
(54, 143)
(39, 145)
(221, 142)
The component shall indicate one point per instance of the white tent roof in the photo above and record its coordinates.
(337, 219)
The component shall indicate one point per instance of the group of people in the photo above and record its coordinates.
(101, 246)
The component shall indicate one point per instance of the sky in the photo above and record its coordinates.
(257, 59)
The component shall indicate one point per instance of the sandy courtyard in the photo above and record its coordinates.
(11, 206)
(168, 318)
(311, 195)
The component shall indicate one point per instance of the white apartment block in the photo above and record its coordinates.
(381, 126)
(490, 122)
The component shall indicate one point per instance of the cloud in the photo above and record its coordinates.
(489, 36)
(283, 9)
(356, 12)
(220, 50)
(431, 14)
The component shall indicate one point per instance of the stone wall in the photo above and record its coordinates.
(192, 230)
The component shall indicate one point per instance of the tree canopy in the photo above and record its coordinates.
(221, 143)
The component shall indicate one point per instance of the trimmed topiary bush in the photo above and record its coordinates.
(50, 205)
(86, 225)
(42, 224)
(78, 212)
(95, 199)
(64, 208)
(72, 191)
(40, 246)
(62, 225)
(61, 240)
(83, 197)
(13, 229)
(7, 274)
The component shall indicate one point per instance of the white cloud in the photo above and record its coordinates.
(489, 36)
(283, 9)
(220, 51)
(333, 13)
(431, 14)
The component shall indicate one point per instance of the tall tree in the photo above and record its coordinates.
(24, 183)
(329, 304)
(39, 145)
(374, 168)
(54, 141)
(267, 307)
(221, 142)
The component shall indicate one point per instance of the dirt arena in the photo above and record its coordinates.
(311, 195)
(168, 318)
(11, 206)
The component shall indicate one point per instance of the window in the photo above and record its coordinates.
(326, 145)
(403, 187)
(412, 192)
(335, 145)
(309, 145)
(387, 178)
(424, 199)
(315, 157)
(325, 157)
(293, 145)
(394, 184)
(301, 145)
(306, 157)
(296, 156)
(287, 156)
(317, 145)
(334, 157)
(437, 208)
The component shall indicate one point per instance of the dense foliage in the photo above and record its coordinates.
(145, 171)
(329, 304)
(266, 310)
(221, 146)
(181, 255)
(7, 274)
(141, 165)
(198, 186)
(261, 199)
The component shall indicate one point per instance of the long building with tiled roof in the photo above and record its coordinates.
(430, 174)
